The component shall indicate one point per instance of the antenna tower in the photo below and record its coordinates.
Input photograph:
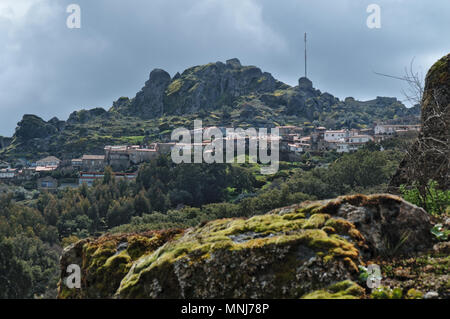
(305, 58)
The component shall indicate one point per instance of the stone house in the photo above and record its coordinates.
(50, 161)
(123, 156)
(76, 163)
(93, 163)
(89, 178)
(47, 183)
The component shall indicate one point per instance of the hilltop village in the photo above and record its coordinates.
(124, 159)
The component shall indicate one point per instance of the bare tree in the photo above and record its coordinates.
(415, 83)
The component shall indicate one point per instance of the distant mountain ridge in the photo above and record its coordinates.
(219, 93)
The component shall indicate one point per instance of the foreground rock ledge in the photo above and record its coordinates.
(287, 253)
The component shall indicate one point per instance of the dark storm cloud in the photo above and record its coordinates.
(50, 70)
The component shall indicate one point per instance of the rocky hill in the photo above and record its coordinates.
(309, 250)
(219, 93)
(207, 87)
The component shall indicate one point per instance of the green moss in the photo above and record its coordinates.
(105, 264)
(386, 293)
(316, 221)
(109, 276)
(294, 215)
(341, 290)
(174, 87)
(262, 79)
(414, 294)
(340, 225)
(279, 93)
(311, 209)
(139, 245)
(263, 232)
(439, 72)
(329, 230)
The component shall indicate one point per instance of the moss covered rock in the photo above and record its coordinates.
(106, 260)
(265, 256)
(343, 290)
(304, 250)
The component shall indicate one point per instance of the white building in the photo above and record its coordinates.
(360, 139)
(345, 147)
(7, 173)
(352, 143)
(50, 161)
(386, 129)
(299, 147)
(335, 136)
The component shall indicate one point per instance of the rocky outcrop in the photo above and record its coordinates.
(105, 261)
(305, 250)
(429, 157)
(5, 141)
(32, 126)
(305, 84)
(214, 85)
(85, 116)
(205, 87)
(149, 102)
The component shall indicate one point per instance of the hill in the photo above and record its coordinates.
(226, 94)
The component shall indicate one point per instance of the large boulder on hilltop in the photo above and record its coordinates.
(290, 252)
(429, 157)
(214, 85)
(32, 126)
(234, 63)
(148, 103)
(59, 124)
(204, 87)
(305, 84)
(85, 116)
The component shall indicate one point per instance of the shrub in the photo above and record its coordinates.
(432, 199)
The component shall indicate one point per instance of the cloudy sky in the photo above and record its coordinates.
(50, 70)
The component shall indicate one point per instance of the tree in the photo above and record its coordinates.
(413, 93)
(108, 177)
(51, 212)
(15, 276)
(142, 204)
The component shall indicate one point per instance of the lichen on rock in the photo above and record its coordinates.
(106, 260)
(290, 252)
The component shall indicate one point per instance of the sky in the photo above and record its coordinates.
(51, 70)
